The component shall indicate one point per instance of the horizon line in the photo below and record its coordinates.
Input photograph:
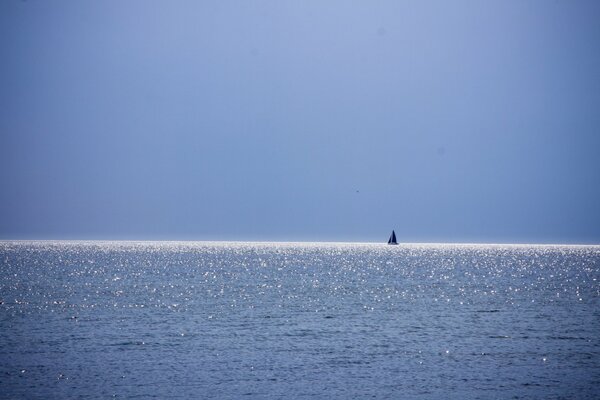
(299, 242)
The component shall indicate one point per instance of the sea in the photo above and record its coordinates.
(225, 320)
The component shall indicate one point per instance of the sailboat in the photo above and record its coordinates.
(392, 239)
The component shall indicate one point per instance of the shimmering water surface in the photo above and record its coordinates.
(265, 320)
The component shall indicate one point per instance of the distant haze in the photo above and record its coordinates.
(471, 121)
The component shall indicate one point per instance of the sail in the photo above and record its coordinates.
(392, 239)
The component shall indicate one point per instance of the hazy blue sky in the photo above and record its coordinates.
(300, 120)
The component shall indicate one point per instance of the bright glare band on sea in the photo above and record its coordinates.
(184, 320)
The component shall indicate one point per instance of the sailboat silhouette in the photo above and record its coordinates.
(392, 239)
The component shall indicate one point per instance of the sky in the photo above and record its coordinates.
(462, 121)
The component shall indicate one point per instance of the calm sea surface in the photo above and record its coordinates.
(267, 320)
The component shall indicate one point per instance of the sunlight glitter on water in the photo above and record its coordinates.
(334, 320)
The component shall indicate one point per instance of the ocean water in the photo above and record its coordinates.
(184, 320)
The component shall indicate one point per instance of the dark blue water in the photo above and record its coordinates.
(227, 320)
